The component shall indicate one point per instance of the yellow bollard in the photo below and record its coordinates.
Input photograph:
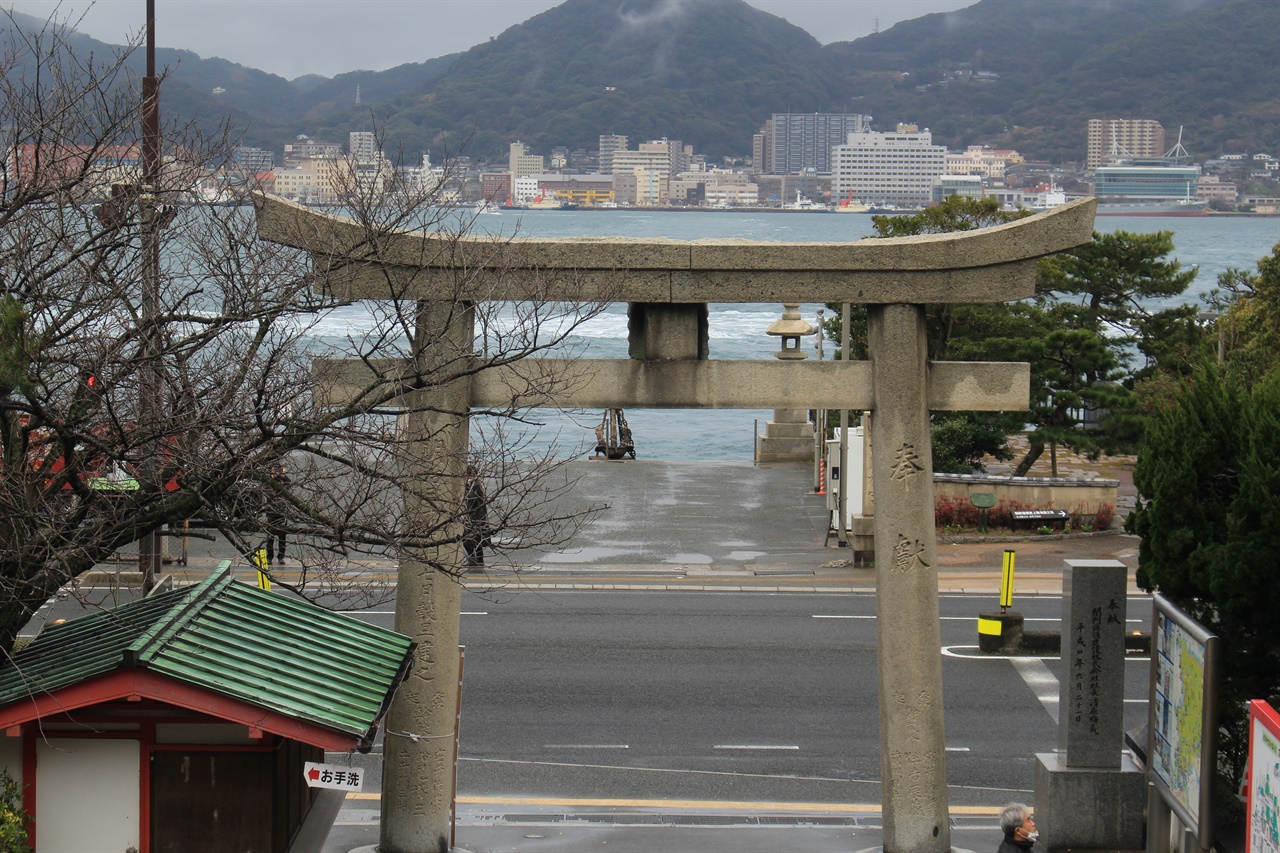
(260, 562)
(1006, 581)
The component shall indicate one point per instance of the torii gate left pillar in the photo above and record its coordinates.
(669, 284)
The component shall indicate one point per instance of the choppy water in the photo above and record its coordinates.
(737, 331)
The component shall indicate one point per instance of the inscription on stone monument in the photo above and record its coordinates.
(906, 463)
(909, 555)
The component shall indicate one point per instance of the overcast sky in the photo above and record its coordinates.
(296, 37)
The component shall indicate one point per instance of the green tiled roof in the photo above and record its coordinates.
(278, 653)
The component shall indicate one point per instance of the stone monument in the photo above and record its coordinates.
(1090, 795)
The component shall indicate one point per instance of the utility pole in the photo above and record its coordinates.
(842, 504)
(150, 551)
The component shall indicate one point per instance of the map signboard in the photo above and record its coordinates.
(1183, 721)
(1263, 832)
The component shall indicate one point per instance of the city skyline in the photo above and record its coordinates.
(329, 37)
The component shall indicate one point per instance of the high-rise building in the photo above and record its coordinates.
(522, 163)
(760, 143)
(609, 143)
(362, 145)
(253, 160)
(650, 164)
(1119, 138)
(888, 168)
(799, 143)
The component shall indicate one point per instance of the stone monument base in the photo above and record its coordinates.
(788, 437)
(1089, 808)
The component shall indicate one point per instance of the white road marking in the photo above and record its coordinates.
(751, 746)
(1043, 683)
(585, 746)
(393, 613)
(957, 749)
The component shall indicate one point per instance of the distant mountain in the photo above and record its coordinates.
(1207, 65)
(711, 72)
(707, 72)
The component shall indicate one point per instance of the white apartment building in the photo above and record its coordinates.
(609, 143)
(525, 189)
(731, 195)
(362, 146)
(888, 168)
(650, 164)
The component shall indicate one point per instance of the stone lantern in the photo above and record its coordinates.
(789, 436)
(791, 328)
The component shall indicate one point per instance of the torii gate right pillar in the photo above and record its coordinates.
(912, 736)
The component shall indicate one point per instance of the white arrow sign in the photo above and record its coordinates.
(338, 776)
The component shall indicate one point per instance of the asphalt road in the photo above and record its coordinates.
(733, 697)
(583, 704)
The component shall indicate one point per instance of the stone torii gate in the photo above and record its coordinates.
(668, 284)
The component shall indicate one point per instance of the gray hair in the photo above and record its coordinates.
(1013, 816)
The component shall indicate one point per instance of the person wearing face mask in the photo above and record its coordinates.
(1019, 829)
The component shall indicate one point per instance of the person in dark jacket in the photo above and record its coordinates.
(476, 531)
(1019, 828)
(277, 537)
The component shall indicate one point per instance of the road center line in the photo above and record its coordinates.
(752, 746)
(585, 746)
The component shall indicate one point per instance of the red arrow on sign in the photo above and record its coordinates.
(313, 774)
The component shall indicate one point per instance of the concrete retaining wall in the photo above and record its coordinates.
(1075, 495)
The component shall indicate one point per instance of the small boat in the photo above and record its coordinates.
(849, 204)
(1046, 198)
(545, 202)
(487, 207)
(802, 203)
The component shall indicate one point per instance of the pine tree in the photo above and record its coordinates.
(1209, 476)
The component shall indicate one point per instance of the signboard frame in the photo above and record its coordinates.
(1167, 620)
(1261, 716)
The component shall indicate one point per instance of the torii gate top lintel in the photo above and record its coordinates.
(985, 265)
